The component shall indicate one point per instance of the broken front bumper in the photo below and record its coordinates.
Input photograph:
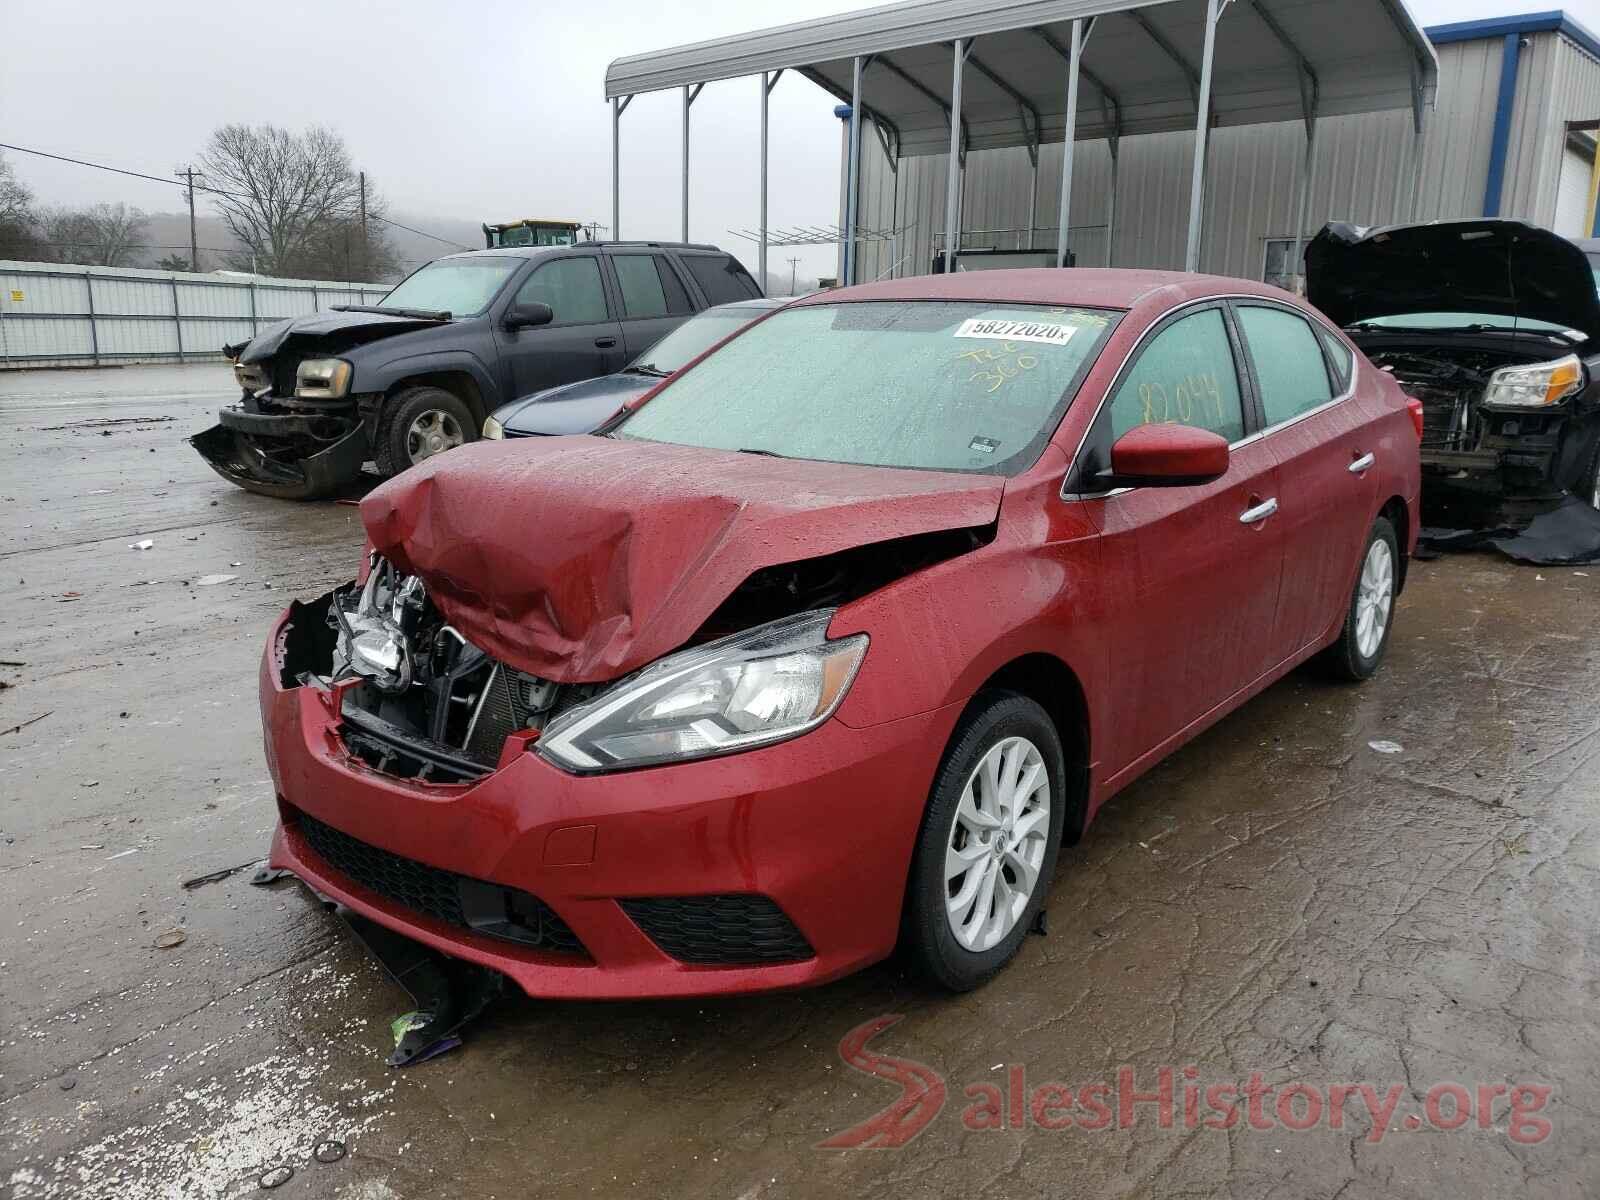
(261, 453)
(780, 867)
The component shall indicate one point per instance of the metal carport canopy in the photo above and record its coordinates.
(1143, 67)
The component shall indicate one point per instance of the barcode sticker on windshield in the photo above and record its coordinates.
(1016, 331)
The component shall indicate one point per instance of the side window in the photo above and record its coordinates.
(1186, 376)
(572, 289)
(1289, 365)
(721, 278)
(1343, 361)
(643, 293)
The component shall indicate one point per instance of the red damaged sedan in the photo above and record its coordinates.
(829, 644)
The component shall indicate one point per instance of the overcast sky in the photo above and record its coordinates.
(485, 110)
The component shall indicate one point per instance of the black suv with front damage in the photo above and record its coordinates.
(1495, 327)
(418, 373)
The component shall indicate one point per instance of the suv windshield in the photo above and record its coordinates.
(462, 287)
(689, 340)
(934, 385)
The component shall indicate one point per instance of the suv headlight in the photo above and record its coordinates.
(322, 379)
(493, 430)
(1536, 385)
(773, 682)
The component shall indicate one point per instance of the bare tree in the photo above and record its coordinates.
(290, 198)
(172, 262)
(17, 216)
(107, 235)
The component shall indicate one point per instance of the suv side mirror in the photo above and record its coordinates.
(1167, 456)
(526, 316)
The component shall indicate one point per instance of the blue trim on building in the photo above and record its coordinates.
(1554, 21)
(1500, 141)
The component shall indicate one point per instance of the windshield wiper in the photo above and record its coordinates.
(647, 369)
(763, 453)
(420, 314)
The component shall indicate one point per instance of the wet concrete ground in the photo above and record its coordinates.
(1277, 899)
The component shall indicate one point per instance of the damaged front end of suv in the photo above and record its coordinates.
(1495, 327)
(301, 428)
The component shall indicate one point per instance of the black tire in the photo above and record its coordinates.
(1588, 489)
(927, 939)
(1344, 660)
(395, 450)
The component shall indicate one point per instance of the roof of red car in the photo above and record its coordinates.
(1093, 287)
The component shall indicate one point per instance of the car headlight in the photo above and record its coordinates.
(1536, 385)
(322, 379)
(493, 430)
(772, 682)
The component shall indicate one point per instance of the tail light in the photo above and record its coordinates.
(1414, 407)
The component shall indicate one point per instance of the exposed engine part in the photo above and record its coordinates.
(835, 579)
(1449, 383)
(431, 706)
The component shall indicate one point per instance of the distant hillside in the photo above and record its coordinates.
(168, 233)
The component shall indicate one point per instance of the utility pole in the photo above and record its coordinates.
(363, 178)
(793, 263)
(194, 247)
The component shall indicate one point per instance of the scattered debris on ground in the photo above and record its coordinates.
(219, 875)
(170, 939)
(18, 728)
(1566, 535)
(1383, 746)
(448, 992)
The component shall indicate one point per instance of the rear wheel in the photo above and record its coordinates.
(1367, 623)
(988, 844)
(419, 423)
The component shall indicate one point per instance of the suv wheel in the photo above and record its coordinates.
(988, 845)
(419, 423)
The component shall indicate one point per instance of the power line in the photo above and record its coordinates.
(202, 187)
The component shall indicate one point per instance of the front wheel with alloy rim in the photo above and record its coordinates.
(1365, 635)
(988, 844)
(419, 423)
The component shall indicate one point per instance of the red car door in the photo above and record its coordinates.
(1324, 445)
(1190, 573)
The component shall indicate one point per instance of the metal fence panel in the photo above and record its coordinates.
(57, 315)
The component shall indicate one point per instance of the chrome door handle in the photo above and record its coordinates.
(1361, 464)
(1260, 512)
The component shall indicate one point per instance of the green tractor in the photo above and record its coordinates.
(534, 231)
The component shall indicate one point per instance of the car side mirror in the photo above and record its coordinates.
(1166, 456)
(526, 316)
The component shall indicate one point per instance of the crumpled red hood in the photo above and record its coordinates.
(579, 559)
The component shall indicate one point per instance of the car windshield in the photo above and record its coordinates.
(933, 385)
(1594, 268)
(1461, 320)
(689, 340)
(462, 287)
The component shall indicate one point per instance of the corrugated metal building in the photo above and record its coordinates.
(54, 315)
(1506, 137)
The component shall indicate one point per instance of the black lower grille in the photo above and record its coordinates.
(719, 930)
(459, 900)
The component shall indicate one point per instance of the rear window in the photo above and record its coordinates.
(721, 278)
(649, 286)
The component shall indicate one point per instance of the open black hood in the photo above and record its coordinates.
(1507, 268)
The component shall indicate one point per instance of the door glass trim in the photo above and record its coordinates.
(1155, 327)
(1165, 321)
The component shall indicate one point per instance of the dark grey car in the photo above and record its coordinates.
(418, 373)
(583, 407)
